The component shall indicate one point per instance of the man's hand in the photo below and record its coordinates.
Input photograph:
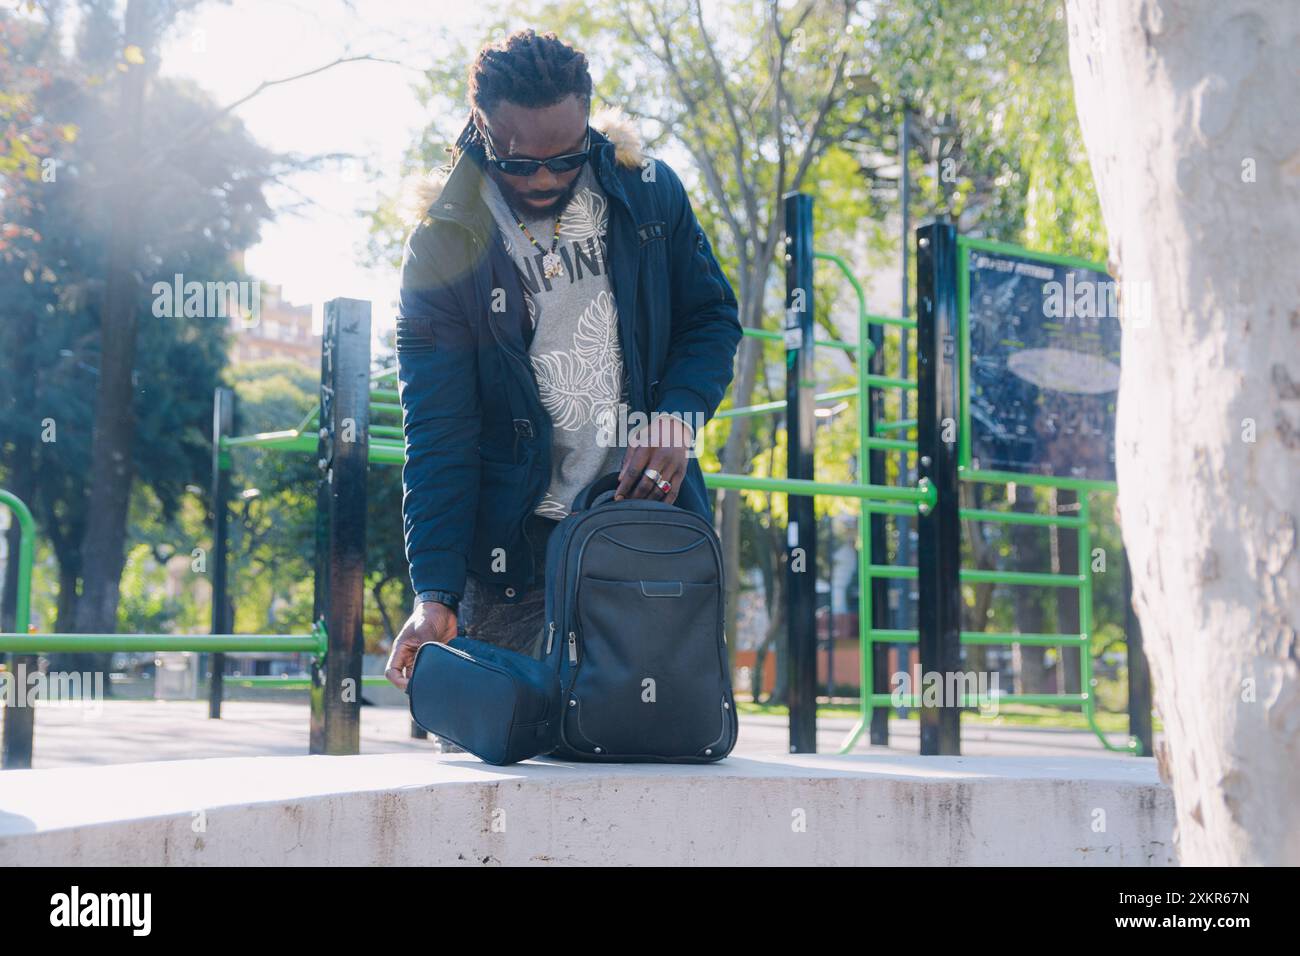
(661, 446)
(431, 621)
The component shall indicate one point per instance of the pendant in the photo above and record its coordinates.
(552, 265)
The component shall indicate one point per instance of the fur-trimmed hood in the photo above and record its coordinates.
(420, 191)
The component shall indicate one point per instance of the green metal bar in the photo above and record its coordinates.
(891, 320)
(1039, 578)
(387, 431)
(383, 395)
(885, 381)
(1046, 700)
(1010, 637)
(894, 636)
(924, 493)
(1007, 249)
(1132, 745)
(296, 683)
(974, 576)
(1041, 481)
(387, 454)
(26, 556)
(1017, 517)
(310, 423)
(890, 444)
(35, 643)
(769, 336)
(837, 394)
(287, 440)
(891, 571)
(890, 508)
(898, 426)
(386, 407)
(764, 407)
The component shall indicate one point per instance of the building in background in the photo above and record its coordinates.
(283, 331)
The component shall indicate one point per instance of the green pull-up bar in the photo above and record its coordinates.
(20, 641)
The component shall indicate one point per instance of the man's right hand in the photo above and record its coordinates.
(431, 621)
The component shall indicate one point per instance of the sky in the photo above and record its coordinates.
(367, 109)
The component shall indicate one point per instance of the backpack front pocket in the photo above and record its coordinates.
(647, 674)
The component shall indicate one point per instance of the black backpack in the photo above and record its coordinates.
(634, 613)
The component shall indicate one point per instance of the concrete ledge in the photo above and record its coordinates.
(417, 809)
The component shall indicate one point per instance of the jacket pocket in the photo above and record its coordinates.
(414, 334)
(708, 266)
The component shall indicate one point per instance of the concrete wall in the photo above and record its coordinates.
(452, 809)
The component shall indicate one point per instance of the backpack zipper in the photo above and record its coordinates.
(550, 636)
(573, 648)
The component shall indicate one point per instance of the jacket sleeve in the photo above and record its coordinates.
(437, 372)
(705, 324)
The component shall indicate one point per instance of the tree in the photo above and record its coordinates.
(202, 207)
(1186, 111)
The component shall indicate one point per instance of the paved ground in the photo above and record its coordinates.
(125, 731)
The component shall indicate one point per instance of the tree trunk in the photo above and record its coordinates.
(103, 548)
(1187, 112)
(735, 461)
(377, 592)
(21, 462)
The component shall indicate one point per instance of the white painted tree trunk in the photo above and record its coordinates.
(1188, 109)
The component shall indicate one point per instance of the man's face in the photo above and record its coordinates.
(518, 132)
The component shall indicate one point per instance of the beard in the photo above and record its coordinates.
(528, 210)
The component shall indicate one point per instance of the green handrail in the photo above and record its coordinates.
(314, 643)
(924, 494)
(26, 556)
(770, 336)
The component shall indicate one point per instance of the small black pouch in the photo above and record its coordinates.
(500, 705)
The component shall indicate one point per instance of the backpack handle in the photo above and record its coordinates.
(598, 492)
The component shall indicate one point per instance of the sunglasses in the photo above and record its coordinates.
(526, 167)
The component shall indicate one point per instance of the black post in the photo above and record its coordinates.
(801, 424)
(343, 453)
(879, 542)
(223, 421)
(19, 716)
(904, 591)
(1139, 674)
(938, 541)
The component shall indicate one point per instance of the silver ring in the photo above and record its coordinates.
(653, 475)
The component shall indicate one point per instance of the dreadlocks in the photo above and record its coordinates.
(526, 69)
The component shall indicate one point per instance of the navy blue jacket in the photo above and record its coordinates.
(478, 439)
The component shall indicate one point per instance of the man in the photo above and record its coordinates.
(556, 292)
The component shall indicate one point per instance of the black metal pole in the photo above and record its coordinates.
(801, 532)
(223, 419)
(938, 541)
(343, 453)
(879, 542)
(830, 611)
(904, 590)
(1139, 674)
